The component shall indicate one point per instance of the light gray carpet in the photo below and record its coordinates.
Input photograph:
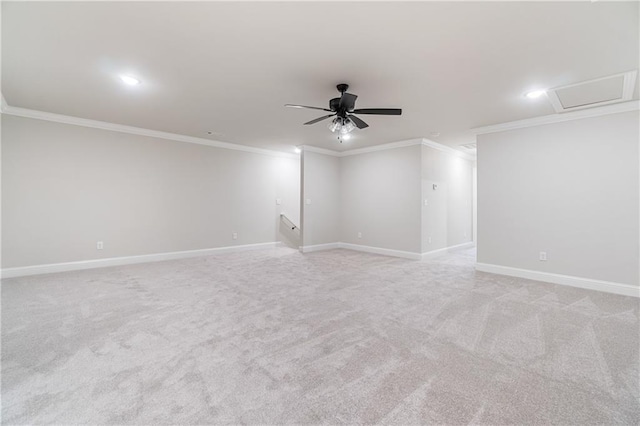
(332, 337)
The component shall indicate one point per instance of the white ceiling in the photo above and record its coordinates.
(230, 67)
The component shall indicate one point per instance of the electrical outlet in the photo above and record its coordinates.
(429, 240)
(359, 234)
(100, 245)
(234, 235)
(278, 201)
(543, 256)
(426, 201)
(465, 233)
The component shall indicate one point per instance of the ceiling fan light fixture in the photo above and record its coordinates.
(335, 125)
(347, 127)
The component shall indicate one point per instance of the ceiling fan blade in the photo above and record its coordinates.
(319, 119)
(348, 101)
(307, 107)
(379, 111)
(358, 122)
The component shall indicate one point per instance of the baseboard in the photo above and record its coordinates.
(605, 286)
(439, 252)
(357, 247)
(128, 260)
(320, 247)
(383, 251)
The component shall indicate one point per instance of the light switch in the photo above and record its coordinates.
(307, 201)
(278, 201)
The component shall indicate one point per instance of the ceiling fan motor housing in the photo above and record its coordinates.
(343, 87)
(342, 110)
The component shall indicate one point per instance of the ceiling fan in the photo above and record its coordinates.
(343, 108)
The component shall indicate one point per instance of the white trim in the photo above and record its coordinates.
(121, 128)
(559, 118)
(83, 122)
(382, 147)
(606, 286)
(434, 253)
(128, 260)
(308, 148)
(390, 145)
(438, 252)
(320, 247)
(628, 84)
(447, 149)
(357, 247)
(383, 251)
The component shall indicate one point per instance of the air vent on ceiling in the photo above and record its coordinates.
(593, 93)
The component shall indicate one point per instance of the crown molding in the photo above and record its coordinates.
(392, 145)
(382, 147)
(447, 149)
(559, 118)
(121, 128)
(411, 142)
(309, 148)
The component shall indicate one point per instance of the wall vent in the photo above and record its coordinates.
(593, 93)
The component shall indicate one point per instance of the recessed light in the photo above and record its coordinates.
(297, 150)
(131, 81)
(535, 94)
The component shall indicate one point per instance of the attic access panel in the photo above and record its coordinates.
(593, 93)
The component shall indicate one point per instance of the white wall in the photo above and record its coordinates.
(288, 188)
(380, 197)
(447, 219)
(66, 187)
(570, 189)
(320, 185)
(474, 174)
